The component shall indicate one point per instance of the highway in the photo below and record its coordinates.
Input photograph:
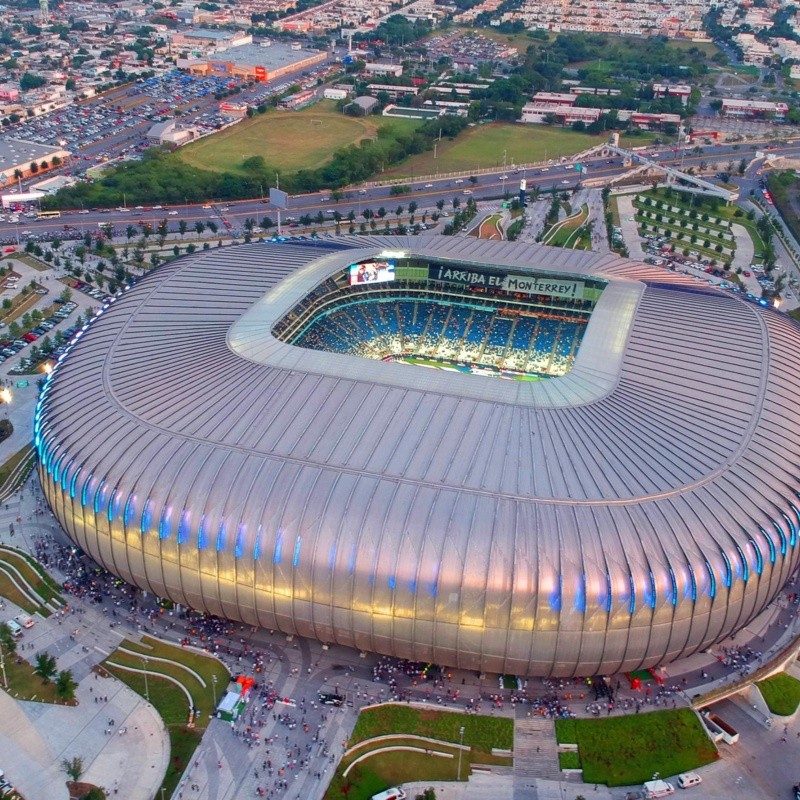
(425, 192)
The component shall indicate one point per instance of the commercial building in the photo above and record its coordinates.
(201, 42)
(396, 70)
(19, 156)
(673, 90)
(259, 62)
(593, 523)
(171, 133)
(538, 113)
(754, 108)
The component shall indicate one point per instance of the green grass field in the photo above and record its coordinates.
(380, 771)
(287, 140)
(485, 145)
(23, 684)
(622, 751)
(481, 733)
(781, 693)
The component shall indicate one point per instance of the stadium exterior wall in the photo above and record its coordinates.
(589, 528)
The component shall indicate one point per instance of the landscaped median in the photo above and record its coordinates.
(176, 681)
(623, 751)
(395, 743)
(567, 233)
(781, 693)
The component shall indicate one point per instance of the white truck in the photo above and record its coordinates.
(657, 788)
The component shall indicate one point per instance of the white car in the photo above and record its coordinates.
(173, 213)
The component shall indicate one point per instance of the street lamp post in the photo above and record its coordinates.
(3, 666)
(460, 749)
(213, 694)
(146, 688)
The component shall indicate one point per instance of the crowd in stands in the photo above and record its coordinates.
(476, 333)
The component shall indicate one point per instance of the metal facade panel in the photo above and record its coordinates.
(636, 510)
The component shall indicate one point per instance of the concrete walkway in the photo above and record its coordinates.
(36, 737)
(630, 233)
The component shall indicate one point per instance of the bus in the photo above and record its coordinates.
(49, 215)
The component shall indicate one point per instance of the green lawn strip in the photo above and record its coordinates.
(23, 684)
(569, 760)
(183, 742)
(201, 696)
(474, 756)
(714, 223)
(205, 666)
(383, 770)
(684, 244)
(43, 585)
(480, 733)
(170, 703)
(23, 454)
(676, 227)
(584, 240)
(9, 590)
(622, 751)
(568, 229)
(33, 262)
(781, 693)
(380, 771)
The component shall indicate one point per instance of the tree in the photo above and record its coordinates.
(65, 685)
(73, 767)
(199, 227)
(182, 227)
(45, 663)
(212, 226)
(428, 794)
(7, 642)
(440, 204)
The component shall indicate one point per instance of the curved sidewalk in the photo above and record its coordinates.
(36, 737)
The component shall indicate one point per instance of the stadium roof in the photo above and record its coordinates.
(635, 510)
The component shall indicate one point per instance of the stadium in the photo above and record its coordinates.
(485, 455)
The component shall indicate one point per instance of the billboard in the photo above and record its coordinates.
(261, 73)
(372, 272)
(278, 198)
(515, 284)
(542, 284)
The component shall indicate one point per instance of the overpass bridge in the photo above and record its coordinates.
(639, 163)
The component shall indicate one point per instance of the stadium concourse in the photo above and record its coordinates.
(559, 498)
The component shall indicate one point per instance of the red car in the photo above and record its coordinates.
(30, 337)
